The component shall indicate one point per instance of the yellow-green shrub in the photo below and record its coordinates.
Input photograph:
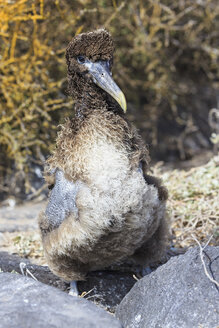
(166, 60)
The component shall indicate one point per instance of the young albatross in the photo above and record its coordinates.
(103, 208)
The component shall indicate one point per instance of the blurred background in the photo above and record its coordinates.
(166, 62)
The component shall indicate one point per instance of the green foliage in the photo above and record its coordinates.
(167, 54)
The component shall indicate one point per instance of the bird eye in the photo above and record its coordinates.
(81, 59)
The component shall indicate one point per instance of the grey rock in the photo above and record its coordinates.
(27, 303)
(9, 263)
(106, 288)
(20, 217)
(177, 294)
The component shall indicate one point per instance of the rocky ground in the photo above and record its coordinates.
(27, 303)
(179, 293)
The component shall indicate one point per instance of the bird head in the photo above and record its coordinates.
(89, 59)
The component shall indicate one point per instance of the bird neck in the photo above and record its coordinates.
(89, 97)
(91, 100)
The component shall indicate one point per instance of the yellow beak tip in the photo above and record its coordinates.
(122, 101)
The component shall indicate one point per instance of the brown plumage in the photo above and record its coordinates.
(104, 208)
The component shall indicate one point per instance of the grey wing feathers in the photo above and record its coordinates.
(62, 200)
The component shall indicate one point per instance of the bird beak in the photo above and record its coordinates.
(102, 77)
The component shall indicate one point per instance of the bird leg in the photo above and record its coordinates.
(73, 288)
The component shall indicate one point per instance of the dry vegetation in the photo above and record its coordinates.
(166, 63)
(26, 244)
(193, 205)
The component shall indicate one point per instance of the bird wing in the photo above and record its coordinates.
(162, 191)
(62, 201)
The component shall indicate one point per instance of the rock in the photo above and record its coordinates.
(177, 294)
(20, 217)
(9, 263)
(27, 303)
(106, 288)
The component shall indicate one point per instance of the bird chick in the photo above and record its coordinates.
(103, 208)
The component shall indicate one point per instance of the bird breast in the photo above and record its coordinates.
(111, 191)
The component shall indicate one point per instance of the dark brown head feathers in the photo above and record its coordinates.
(96, 45)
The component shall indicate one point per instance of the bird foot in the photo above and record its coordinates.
(73, 289)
